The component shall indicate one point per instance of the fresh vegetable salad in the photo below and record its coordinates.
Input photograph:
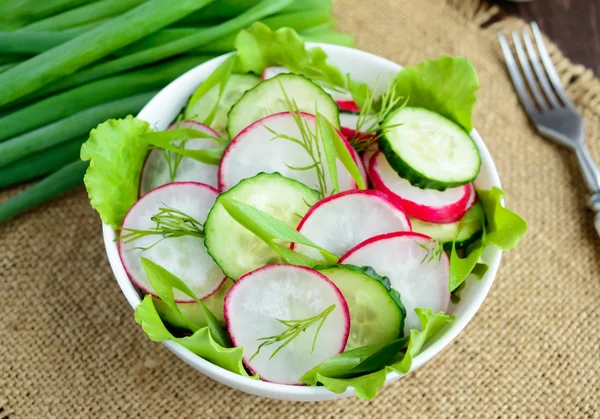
(296, 226)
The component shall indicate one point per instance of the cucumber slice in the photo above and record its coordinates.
(428, 150)
(376, 315)
(405, 258)
(267, 98)
(236, 86)
(236, 250)
(445, 233)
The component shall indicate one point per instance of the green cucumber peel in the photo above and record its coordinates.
(383, 280)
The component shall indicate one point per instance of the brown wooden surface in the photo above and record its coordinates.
(573, 24)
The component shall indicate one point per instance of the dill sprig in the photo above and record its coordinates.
(173, 158)
(170, 223)
(294, 329)
(434, 251)
(372, 119)
(308, 140)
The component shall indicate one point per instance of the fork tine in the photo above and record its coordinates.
(515, 75)
(549, 65)
(531, 81)
(539, 71)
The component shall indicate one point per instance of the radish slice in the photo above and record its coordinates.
(156, 168)
(271, 72)
(421, 282)
(360, 165)
(342, 98)
(285, 292)
(339, 222)
(425, 204)
(186, 256)
(368, 154)
(348, 122)
(255, 150)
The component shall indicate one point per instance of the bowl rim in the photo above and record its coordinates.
(281, 391)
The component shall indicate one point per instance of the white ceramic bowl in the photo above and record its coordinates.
(167, 104)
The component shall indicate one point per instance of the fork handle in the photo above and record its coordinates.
(591, 175)
(589, 168)
(594, 204)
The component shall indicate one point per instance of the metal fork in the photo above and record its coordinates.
(549, 108)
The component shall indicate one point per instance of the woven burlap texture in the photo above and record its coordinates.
(69, 345)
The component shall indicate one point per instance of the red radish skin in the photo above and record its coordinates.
(347, 105)
(189, 170)
(348, 122)
(358, 215)
(230, 162)
(319, 290)
(399, 256)
(367, 154)
(451, 204)
(131, 262)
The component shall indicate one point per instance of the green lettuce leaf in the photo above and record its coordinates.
(201, 342)
(356, 361)
(269, 229)
(431, 323)
(504, 228)
(259, 47)
(461, 268)
(164, 282)
(116, 152)
(446, 86)
(367, 386)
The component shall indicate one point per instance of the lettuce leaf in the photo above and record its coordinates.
(431, 323)
(446, 86)
(201, 342)
(116, 151)
(367, 386)
(164, 282)
(502, 229)
(259, 47)
(350, 363)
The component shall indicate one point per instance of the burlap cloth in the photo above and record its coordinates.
(69, 346)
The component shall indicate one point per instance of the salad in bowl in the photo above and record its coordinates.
(303, 222)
